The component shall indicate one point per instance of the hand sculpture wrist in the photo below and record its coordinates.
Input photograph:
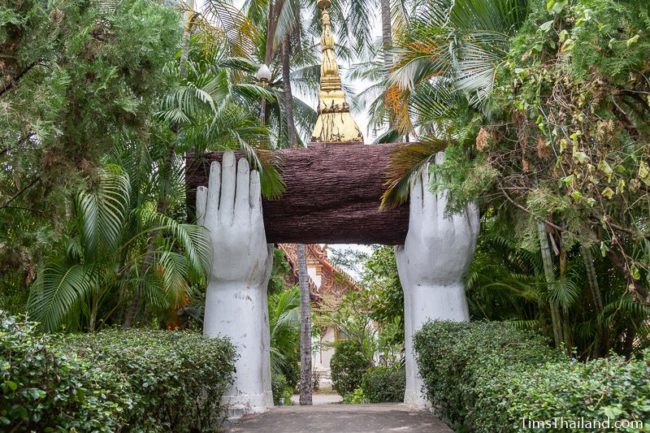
(236, 303)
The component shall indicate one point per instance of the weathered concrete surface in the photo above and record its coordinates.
(320, 398)
(436, 255)
(236, 304)
(337, 418)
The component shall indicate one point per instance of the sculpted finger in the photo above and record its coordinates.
(474, 219)
(268, 265)
(243, 189)
(228, 186)
(214, 189)
(201, 203)
(429, 199)
(416, 196)
(256, 194)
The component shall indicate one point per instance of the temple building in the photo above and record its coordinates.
(327, 284)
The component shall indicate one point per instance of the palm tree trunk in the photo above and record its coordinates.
(134, 306)
(594, 289)
(566, 329)
(387, 34)
(288, 94)
(303, 276)
(591, 278)
(387, 39)
(271, 23)
(94, 308)
(547, 260)
(305, 328)
(187, 32)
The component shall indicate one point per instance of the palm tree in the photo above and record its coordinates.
(284, 323)
(109, 256)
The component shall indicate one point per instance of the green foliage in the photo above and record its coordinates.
(384, 385)
(349, 363)
(135, 381)
(279, 272)
(278, 385)
(543, 110)
(282, 391)
(111, 253)
(284, 322)
(572, 84)
(75, 82)
(43, 389)
(176, 379)
(506, 282)
(355, 397)
(351, 318)
(489, 376)
(381, 278)
(84, 89)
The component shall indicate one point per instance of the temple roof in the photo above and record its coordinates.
(335, 283)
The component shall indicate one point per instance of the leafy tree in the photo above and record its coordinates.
(540, 110)
(75, 81)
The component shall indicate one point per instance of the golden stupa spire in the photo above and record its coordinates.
(335, 123)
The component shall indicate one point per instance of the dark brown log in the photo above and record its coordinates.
(332, 195)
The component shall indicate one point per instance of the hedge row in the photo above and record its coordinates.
(491, 377)
(384, 385)
(126, 381)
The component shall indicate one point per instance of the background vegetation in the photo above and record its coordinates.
(541, 106)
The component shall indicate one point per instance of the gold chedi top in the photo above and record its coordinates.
(335, 123)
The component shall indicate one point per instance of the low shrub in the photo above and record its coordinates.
(348, 365)
(492, 377)
(278, 385)
(282, 391)
(133, 381)
(177, 379)
(355, 397)
(45, 390)
(384, 385)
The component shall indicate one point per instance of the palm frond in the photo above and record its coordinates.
(58, 289)
(407, 162)
(103, 210)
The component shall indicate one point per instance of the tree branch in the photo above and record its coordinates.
(14, 81)
(19, 193)
(555, 226)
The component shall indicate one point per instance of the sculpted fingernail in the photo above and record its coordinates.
(243, 166)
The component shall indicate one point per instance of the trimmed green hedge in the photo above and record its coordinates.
(384, 385)
(127, 381)
(491, 377)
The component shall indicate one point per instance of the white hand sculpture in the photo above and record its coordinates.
(236, 304)
(431, 265)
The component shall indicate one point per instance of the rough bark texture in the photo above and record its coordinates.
(387, 33)
(332, 195)
(305, 328)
